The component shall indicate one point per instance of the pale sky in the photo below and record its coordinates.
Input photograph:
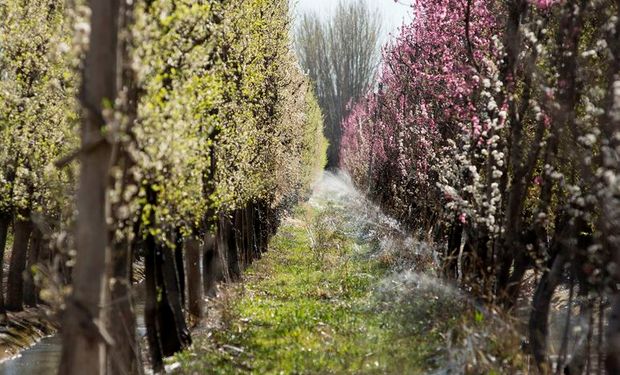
(392, 13)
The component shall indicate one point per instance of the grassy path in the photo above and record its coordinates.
(322, 302)
(309, 309)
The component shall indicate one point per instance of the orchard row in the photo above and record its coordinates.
(496, 129)
(172, 133)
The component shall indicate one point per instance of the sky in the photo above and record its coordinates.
(392, 13)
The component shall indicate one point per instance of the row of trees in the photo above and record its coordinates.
(496, 128)
(194, 128)
(37, 119)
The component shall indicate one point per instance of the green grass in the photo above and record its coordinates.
(305, 309)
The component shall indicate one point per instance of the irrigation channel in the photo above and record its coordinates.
(374, 306)
(43, 357)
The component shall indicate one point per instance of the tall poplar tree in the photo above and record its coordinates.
(341, 57)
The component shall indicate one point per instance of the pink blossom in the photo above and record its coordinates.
(428, 80)
(544, 4)
(463, 218)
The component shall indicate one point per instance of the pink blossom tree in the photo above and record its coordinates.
(496, 126)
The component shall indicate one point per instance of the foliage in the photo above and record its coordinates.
(226, 117)
(205, 113)
(39, 112)
(393, 135)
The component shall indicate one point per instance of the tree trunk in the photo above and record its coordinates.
(167, 333)
(259, 229)
(234, 263)
(521, 264)
(85, 339)
(239, 232)
(174, 334)
(30, 290)
(228, 248)
(124, 357)
(212, 264)
(5, 223)
(19, 255)
(612, 361)
(150, 307)
(539, 317)
(255, 232)
(454, 247)
(180, 265)
(193, 262)
(249, 232)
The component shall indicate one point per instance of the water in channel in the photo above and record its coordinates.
(43, 358)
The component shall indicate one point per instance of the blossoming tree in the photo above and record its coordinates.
(495, 128)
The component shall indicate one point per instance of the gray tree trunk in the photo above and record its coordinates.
(5, 223)
(193, 261)
(19, 255)
(84, 336)
(30, 289)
